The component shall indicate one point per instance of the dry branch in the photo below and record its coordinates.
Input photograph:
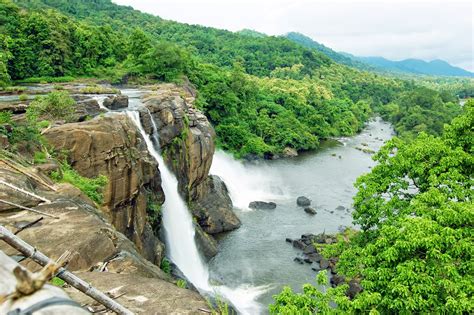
(31, 252)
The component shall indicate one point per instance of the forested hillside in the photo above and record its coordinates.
(262, 93)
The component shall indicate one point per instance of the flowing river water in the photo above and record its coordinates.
(256, 253)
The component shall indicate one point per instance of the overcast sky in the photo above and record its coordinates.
(395, 29)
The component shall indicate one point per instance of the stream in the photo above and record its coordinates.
(256, 253)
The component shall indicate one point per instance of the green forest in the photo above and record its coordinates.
(264, 94)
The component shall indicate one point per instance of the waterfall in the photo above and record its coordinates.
(246, 183)
(179, 232)
(177, 221)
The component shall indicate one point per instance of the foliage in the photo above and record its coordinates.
(99, 89)
(219, 307)
(56, 105)
(92, 187)
(165, 265)
(39, 157)
(58, 282)
(181, 283)
(414, 253)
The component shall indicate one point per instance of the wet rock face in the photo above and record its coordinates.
(112, 146)
(212, 210)
(187, 143)
(116, 102)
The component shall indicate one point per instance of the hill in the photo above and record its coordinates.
(416, 66)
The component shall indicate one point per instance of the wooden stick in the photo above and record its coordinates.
(24, 191)
(29, 174)
(28, 225)
(28, 250)
(28, 209)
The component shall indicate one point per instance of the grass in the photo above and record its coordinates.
(98, 89)
(92, 187)
(47, 79)
(181, 283)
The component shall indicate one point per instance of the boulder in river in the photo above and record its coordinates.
(340, 208)
(299, 260)
(309, 250)
(337, 280)
(324, 263)
(303, 201)
(116, 102)
(299, 244)
(315, 257)
(289, 152)
(262, 205)
(310, 210)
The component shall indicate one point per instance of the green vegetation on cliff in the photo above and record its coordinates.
(414, 253)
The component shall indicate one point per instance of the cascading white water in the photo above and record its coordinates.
(180, 231)
(177, 221)
(245, 182)
(100, 100)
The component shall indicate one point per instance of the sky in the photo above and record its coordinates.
(394, 29)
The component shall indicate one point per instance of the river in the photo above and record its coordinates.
(256, 254)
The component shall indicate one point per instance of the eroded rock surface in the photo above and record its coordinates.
(112, 146)
(101, 254)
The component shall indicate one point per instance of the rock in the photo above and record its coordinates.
(315, 257)
(299, 260)
(289, 152)
(307, 236)
(206, 244)
(309, 250)
(337, 280)
(142, 295)
(288, 240)
(88, 108)
(303, 201)
(299, 244)
(4, 143)
(214, 210)
(116, 102)
(308, 261)
(310, 210)
(354, 288)
(340, 208)
(112, 146)
(324, 263)
(262, 205)
(187, 141)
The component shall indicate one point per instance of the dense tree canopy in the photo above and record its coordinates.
(414, 253)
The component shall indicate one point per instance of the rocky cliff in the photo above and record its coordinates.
(101, 254)
(187, 142)
(112, 146)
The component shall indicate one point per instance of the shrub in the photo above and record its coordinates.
(92, 187)
(181, 283)
(39, 157)
(55, 105)
(165, 265)
(23, 97)
(99, 89)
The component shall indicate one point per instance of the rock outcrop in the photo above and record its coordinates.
(112, 146)
(187, 142)
(101, 254)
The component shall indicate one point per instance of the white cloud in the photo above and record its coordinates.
(395, 29)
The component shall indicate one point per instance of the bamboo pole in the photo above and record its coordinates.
(29, 174)
(24, 191)
(31, 252)
(28, 209)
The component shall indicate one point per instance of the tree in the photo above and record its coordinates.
(414, 253)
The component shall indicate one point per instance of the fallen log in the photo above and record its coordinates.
(31, 252)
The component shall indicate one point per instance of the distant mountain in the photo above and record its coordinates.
(380, 64)
(415, 66)
(334, 55)
(251, 33)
